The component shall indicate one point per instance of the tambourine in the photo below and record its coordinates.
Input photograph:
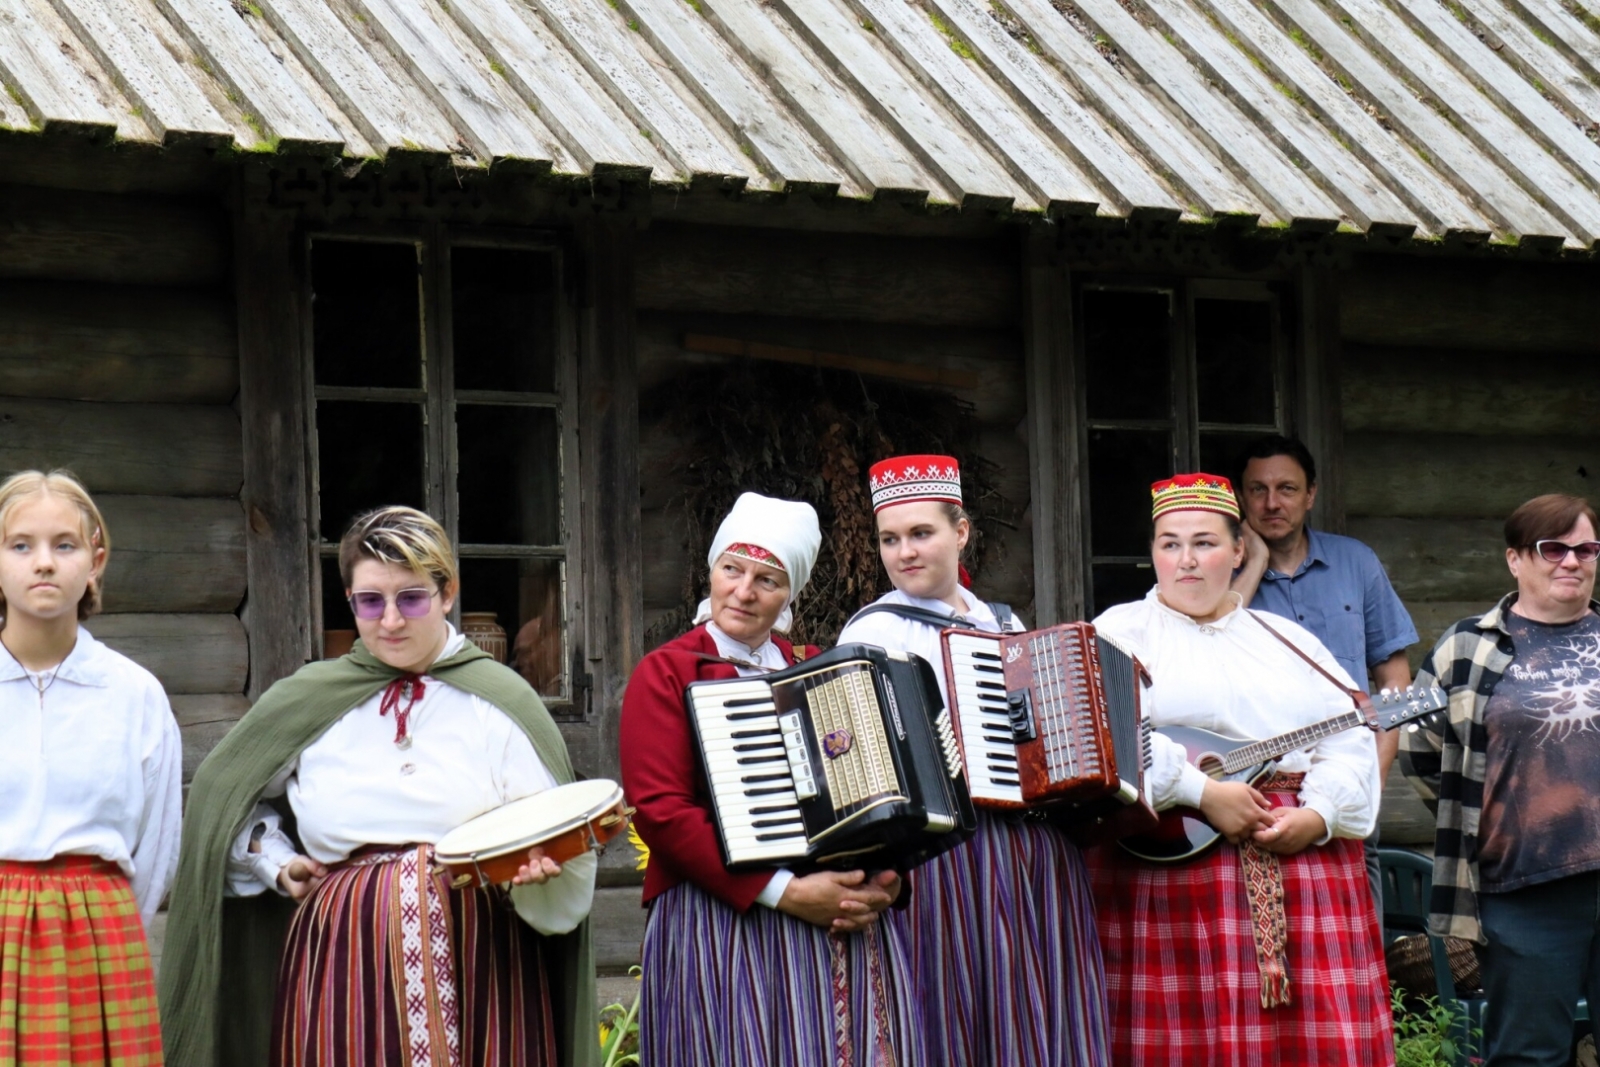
(565, 821)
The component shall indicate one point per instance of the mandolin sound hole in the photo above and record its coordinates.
(1211, 764)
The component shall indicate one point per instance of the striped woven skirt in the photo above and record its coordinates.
(1185, 980)
(764, 989)
(76, 986)
(386, 966)
(1003, 946)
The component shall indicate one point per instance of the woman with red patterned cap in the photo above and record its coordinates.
(1007, 968)
(753, 967)
(1264, 949)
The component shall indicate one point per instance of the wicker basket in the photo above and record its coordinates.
(1410, 962)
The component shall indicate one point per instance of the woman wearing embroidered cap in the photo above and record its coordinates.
(379, 754)
(753, 967)
(1265, 949)
(1002, 931)
(90, 791)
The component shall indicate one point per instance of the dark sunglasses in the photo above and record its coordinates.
(412, 603)
(1553, 551)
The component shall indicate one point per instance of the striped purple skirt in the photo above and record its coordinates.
(1005, 953)
(764, 989)
(387, 966)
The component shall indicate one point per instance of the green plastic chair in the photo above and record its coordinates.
(1407, 885)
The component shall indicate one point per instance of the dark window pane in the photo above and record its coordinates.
(504, 319)
(1234, 362)
(510, 475)
(1122, 464)
(368, 455)
(1121, 583)
(1219, 452)
(1128, 355)
(366, 323)
(527, 600)
(338, 625)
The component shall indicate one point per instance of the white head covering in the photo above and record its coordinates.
(786, 529)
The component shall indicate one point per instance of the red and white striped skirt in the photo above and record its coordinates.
(387, 966)
(1182, 975)
(76, 988)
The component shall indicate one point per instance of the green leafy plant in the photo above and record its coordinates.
(1426, 1031)
(619, 1031)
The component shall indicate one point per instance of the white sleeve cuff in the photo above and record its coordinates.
(559, 905)
(1191, 785)
(769, 897)
(1337, 826)
(251, 873)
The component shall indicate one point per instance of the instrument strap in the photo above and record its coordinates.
(1356, 695)
(709, 658)
(1002, 613)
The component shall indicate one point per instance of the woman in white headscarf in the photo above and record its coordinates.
(752, 967)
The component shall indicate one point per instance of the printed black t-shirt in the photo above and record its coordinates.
(1541, 804)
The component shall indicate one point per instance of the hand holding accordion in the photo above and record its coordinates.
(1050, 720)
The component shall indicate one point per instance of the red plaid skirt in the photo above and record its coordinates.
(1181, 972)
(76, 988)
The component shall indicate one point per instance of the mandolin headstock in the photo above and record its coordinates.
(1389, 708)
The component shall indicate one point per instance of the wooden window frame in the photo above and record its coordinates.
(1184, 421)
(439, 398)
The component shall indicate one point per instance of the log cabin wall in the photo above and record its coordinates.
(948, 303)
(119, 361)
(1467, 388)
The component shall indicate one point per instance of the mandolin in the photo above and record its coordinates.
(1183, 832)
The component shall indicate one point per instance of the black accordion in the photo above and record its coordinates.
(844, 761)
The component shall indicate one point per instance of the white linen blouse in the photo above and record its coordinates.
(1234, 678)
(354, 787)
(91, 766)
(887, 630)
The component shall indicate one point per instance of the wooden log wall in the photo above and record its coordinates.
(119, 361)
(1467, 389)
(953, 305)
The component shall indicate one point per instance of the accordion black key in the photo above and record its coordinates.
(844, 761)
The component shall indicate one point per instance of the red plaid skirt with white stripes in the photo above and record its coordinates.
(1181, 974)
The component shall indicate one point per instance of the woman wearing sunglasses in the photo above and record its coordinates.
(1512, 776)
(377, 755)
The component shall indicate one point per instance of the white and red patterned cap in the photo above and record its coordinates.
(906, 478)
(783, 534)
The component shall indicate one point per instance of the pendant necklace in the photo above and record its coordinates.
(37, 678)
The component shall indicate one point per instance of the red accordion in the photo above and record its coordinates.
(1051, 720)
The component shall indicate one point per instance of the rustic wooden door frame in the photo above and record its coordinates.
(608, 428)
(1318, 411)
(1055, 436)
(272, 414)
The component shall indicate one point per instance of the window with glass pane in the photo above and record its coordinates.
(508, 447)
(465, 422)
(1174, 378)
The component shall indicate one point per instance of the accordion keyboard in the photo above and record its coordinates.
(979, 695)
(758, 771)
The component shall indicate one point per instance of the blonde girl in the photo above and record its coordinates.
(90, 796)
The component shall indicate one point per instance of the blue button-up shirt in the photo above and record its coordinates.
(1342, 594)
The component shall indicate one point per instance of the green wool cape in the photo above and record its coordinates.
(219, 964)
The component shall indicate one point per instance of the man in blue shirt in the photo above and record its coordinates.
(1333, 586)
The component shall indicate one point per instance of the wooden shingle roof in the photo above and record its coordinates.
(1439, 118)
